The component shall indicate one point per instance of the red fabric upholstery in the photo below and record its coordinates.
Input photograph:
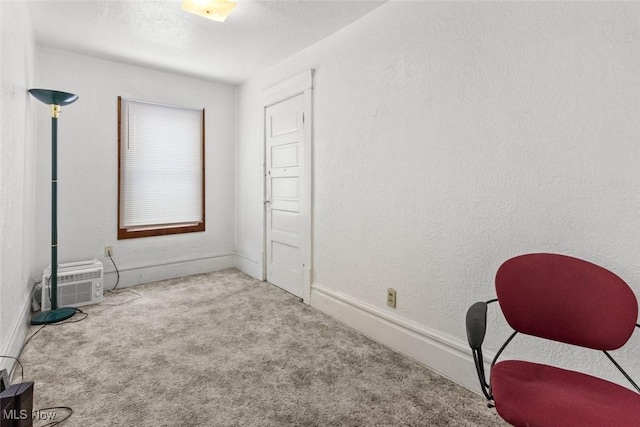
(530, 394)
(566, 299)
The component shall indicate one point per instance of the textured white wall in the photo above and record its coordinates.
(451, 136)
(17, 171)
(87, 169)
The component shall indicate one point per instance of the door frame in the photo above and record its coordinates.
(301, 84)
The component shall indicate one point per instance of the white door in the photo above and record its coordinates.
(284, 155)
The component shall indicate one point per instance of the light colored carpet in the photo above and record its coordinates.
(223, 349)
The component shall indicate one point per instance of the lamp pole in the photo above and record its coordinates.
(55, 99)
(55, 111)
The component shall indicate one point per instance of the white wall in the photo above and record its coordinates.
(17, 171)
(87, 169)
(449, 137)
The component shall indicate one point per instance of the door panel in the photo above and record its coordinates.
(283, 122)
(285, 155)
(284, 188)
(286, 222)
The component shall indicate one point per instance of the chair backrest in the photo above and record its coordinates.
(566, 299)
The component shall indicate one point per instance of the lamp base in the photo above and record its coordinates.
(53, 316)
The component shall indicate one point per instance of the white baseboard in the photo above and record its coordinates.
(248, 266)
(135, 274)
(17, 335)
(446, 355)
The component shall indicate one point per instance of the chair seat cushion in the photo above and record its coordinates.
(531, 394)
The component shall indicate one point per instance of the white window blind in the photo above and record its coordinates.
(161, 166)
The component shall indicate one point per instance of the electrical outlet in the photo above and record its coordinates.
(391, 297)
(108, 251)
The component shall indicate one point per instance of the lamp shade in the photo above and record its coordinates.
(53, 97)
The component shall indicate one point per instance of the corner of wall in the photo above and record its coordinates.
(18, 332)
(249, 266)
(17, 167)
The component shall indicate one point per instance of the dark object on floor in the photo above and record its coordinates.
(570, 301)
(16, 405)
(4, 380)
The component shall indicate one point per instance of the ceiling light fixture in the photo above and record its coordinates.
(216, 10)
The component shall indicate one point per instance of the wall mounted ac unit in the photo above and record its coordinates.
(79, 283)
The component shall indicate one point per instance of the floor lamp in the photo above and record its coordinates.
(55, 99)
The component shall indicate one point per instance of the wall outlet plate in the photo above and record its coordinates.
(391, 297)
(108, 251)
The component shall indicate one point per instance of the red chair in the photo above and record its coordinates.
(568, 300)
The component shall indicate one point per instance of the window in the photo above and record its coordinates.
(160, 169)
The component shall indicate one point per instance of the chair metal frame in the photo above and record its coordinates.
(476, 326)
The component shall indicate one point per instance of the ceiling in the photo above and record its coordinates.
(161, 36)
